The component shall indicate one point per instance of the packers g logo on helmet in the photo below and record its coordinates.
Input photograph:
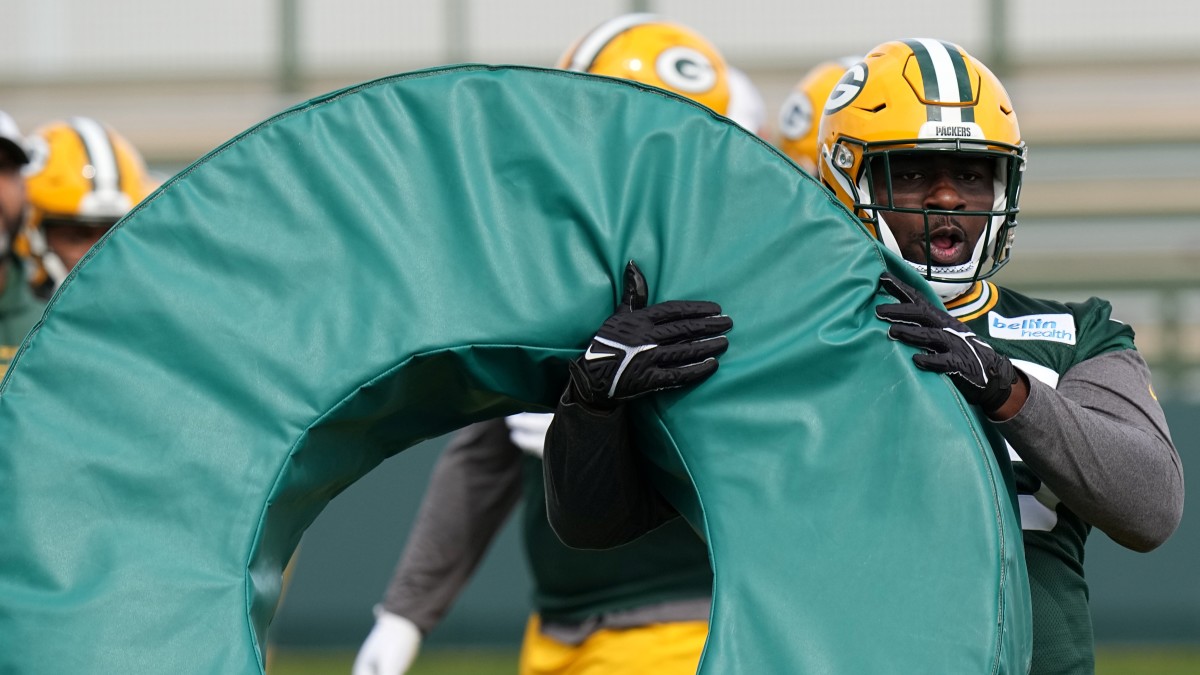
(847, 88)
(647, 49)
(686, 69)
(801, 111)
(796, 116)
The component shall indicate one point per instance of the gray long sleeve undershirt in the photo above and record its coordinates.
(1100, 442)
(474, 487)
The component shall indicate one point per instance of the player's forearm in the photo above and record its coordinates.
(1101, 444)
(597, 494)
(472, 490)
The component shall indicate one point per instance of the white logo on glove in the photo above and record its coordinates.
(630, 352)
(590, 355)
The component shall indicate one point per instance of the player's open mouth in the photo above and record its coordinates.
(947, 246)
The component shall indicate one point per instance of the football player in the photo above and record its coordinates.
(641, 609)
(84, 178)
(19, 310)
(800, 114)
(921, 141)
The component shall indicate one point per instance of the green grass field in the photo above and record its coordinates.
(429, 662)
(1148, 661)
(1109, 661)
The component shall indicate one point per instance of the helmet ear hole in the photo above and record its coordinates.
(843, 157)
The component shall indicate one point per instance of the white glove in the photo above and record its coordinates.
(527, 431)
(390, 648)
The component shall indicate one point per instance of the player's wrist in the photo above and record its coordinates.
(572, 403)
(396, 620)
(1018, 394)
(581, 391)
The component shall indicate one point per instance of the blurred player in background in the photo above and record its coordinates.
(19, 309)
(639, 609)
(643, 608)
(800, 114)
(84, 177)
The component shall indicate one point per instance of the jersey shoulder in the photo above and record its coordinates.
(1068, 332)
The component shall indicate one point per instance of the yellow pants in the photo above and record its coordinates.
(658, 649)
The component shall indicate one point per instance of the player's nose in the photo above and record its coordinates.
(944, 193)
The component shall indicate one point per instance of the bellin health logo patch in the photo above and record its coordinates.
(1051, 327)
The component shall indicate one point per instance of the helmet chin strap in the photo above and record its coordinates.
(51, 264)
(945, 290)
(54, 268)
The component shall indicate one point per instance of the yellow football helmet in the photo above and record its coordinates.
(916, 96)
(647, 49)
(82, 173)
(799, 116)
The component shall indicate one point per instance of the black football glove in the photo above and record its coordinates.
(642, 349)
(984, 377)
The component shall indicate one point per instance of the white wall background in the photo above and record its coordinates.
(73, 40)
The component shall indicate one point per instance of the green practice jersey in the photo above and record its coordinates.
(1045, 339)
(19, 311)
(669, 563)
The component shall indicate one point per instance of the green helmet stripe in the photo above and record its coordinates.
(928, 76)
(964, 81)
(946, 80)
